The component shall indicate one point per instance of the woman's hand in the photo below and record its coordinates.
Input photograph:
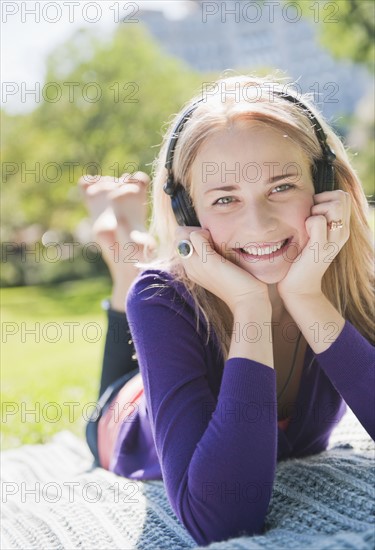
(246, 297)
(300, 290)
(304, 277)
(209, 269)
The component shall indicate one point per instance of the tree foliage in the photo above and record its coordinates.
(346, 27)
(115, 98)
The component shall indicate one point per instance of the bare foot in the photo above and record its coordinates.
(118, 210)
(95, 191)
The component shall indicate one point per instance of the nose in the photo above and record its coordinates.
(260, 222)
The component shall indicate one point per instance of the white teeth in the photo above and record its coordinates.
(262, 251)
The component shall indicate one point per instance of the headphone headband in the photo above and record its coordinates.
(328, 153)
(181, 202)
(177, 131)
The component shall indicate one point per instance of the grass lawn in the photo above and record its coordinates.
(52, 345)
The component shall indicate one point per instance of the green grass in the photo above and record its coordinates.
(55, 370)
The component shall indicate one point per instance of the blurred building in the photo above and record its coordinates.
(215, 36)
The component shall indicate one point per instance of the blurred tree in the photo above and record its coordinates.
(346, 27)
(102, 108)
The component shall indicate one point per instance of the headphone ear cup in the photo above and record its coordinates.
(323, 176)
(183, 208)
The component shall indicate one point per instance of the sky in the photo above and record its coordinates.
(30, 30)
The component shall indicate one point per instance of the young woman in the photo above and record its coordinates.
(253, 328)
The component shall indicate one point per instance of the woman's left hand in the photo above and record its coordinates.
(304, 277)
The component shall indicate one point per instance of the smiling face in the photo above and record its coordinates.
(252, 189)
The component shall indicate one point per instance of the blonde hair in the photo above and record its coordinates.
(348, 282)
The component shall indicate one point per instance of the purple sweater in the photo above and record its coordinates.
(209, 429)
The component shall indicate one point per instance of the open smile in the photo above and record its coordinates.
(263, 251)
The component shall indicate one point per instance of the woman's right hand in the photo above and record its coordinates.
(206, 267)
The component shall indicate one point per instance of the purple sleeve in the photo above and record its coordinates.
(218, 457)
(350, 365)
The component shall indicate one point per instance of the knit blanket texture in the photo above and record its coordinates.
(52, 498)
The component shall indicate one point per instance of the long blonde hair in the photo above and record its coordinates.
(348, 282)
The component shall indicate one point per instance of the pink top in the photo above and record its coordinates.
(123, 408)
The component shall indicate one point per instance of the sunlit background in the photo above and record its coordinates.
(87, 87)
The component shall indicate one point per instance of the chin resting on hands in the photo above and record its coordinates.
(217, 274)
(306, 272)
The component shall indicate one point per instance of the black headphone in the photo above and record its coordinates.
(323, 171)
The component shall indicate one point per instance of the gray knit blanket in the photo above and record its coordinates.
(53, 499)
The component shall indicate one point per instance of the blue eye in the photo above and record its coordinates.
(224, 200)
(283, 187)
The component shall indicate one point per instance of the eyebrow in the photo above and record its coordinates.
(237, 187)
